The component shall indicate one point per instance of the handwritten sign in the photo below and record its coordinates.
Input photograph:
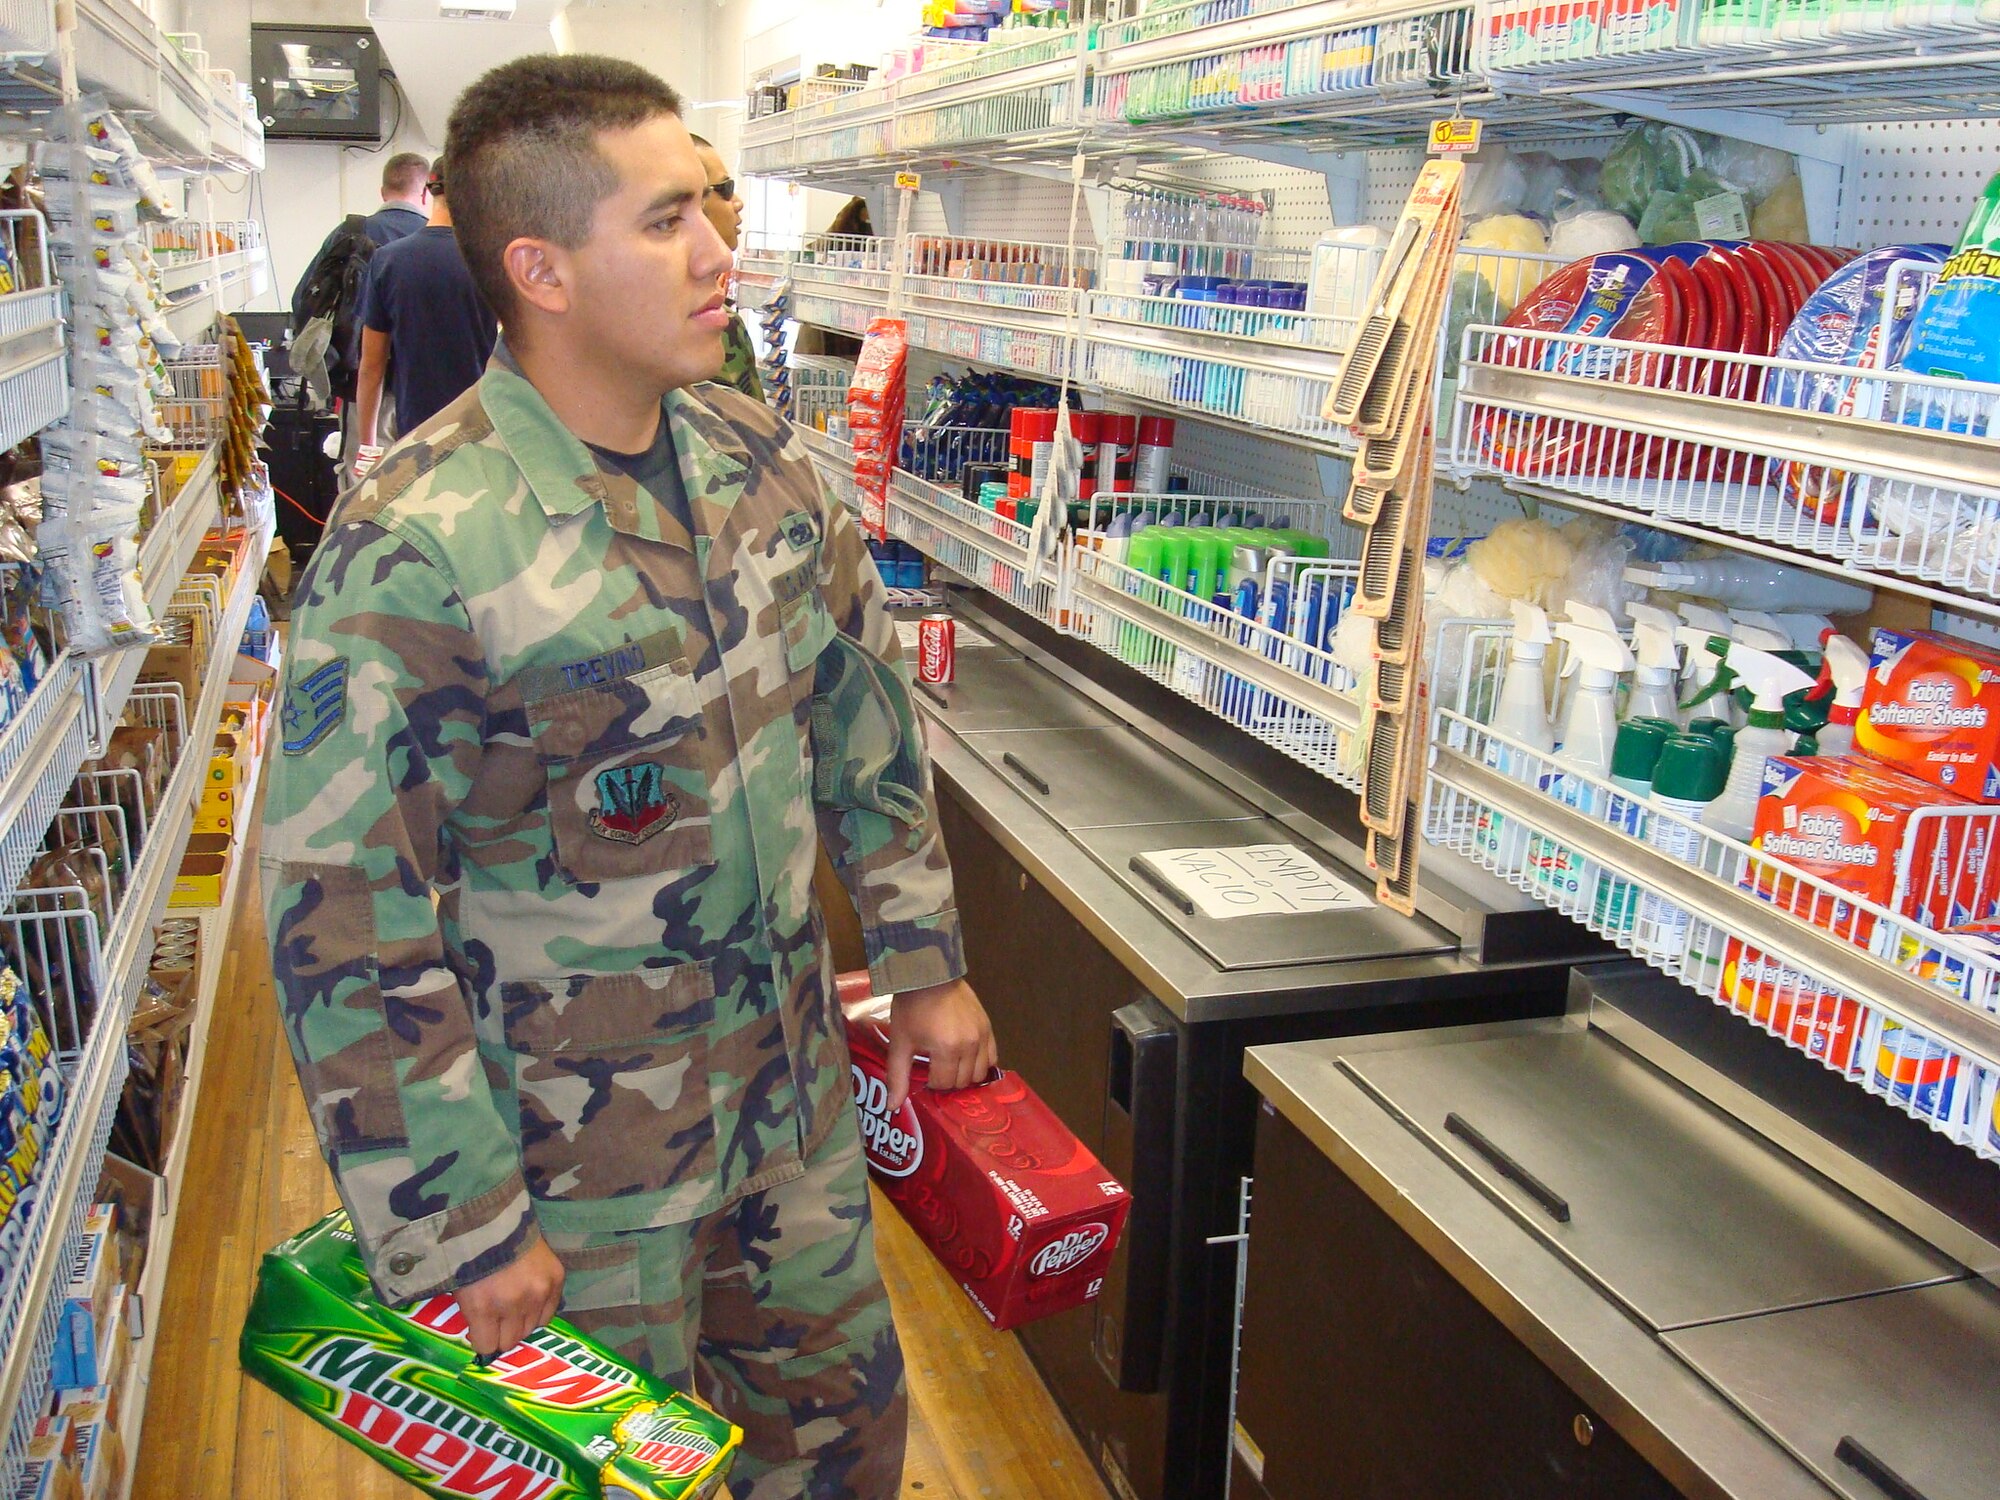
(1254, 880)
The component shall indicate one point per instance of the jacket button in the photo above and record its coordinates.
(402, 1263)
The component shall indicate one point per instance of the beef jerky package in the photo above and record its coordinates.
(557, 1417)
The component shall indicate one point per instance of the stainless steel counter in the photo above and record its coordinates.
(1751, 1328)
(1074, 778)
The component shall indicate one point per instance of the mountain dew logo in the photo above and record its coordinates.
(667, 1443)
(546, 1366)
(458, 1452)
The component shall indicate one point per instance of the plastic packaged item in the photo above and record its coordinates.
(1634, 755)
(1930, 707)
(557, 1416)
(1344, 261)
(1844, 323)
(1753, 583)
(1597, 659)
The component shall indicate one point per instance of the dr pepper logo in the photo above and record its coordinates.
(894, 1143)
(1069, 1252)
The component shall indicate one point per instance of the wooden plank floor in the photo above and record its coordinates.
(983, 1426)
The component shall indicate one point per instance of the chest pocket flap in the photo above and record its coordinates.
(629, 765)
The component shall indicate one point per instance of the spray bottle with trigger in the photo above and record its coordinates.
(1522, 715)
(1844, 668)
(1659, 665)
(1764, 735)
(1701, 661)
(1597, 659)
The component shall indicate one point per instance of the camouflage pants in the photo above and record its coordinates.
(773, 1312)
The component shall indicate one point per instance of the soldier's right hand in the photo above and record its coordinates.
(504, 1308)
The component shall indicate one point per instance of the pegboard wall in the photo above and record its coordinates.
(1300, 211)
(1903, 183)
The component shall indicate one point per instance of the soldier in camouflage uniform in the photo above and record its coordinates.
(724, 209)
(563, 729)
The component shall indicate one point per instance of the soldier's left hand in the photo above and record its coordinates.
(946, 1024)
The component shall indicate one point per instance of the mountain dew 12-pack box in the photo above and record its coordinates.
(557, 1417)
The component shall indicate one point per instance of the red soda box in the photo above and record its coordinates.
(1016, 1207)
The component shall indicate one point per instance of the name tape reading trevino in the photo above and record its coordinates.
(1254, 880)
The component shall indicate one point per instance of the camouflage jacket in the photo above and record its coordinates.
(538, 852)
(739, 359)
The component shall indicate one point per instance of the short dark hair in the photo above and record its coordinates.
(404, 173)
(522, 158)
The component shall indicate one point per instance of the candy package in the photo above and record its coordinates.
(557, 1417)
(104, 131)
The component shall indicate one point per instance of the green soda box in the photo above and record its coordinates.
(557, 1417)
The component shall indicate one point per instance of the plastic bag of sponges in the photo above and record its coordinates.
(557, 1417)
(875, 417)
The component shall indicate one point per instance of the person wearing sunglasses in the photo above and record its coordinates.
(723, 209)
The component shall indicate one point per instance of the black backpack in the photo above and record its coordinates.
(329, 294)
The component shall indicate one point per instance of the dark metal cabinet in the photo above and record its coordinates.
(1370, 1374)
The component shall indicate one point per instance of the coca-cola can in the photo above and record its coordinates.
(937, 648)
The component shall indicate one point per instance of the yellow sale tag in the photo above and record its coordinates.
(1450, 137)
(908, 182)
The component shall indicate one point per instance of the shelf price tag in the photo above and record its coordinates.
(1454, 137)
(908, 182)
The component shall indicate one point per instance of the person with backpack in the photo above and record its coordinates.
(326, 340)
(426, 333)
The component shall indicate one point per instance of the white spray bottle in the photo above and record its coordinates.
(1597, 659)
(1847, 665)
(1659, 665)
(1522, 715)
(1702, 660)
(1763, 735)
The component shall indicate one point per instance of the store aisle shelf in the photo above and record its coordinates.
(1888, 474)
(1337, 74)
(1270, 682)
(1796, 956)
(1873, 59)
(215, 935)
(75, 1157)
(164, 558)
(184, 116)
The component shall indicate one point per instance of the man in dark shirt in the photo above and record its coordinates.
(403, 212)
(425, 331)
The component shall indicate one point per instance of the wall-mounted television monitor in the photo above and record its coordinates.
(317, 83)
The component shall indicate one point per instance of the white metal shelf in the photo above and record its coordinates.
(159, 1240)
(164, 557)
(70, 1170)
(1274, 676)
(183, 116)
(1886, 473)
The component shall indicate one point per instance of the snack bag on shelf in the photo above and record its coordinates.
(558, 1416)
(875, 417)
